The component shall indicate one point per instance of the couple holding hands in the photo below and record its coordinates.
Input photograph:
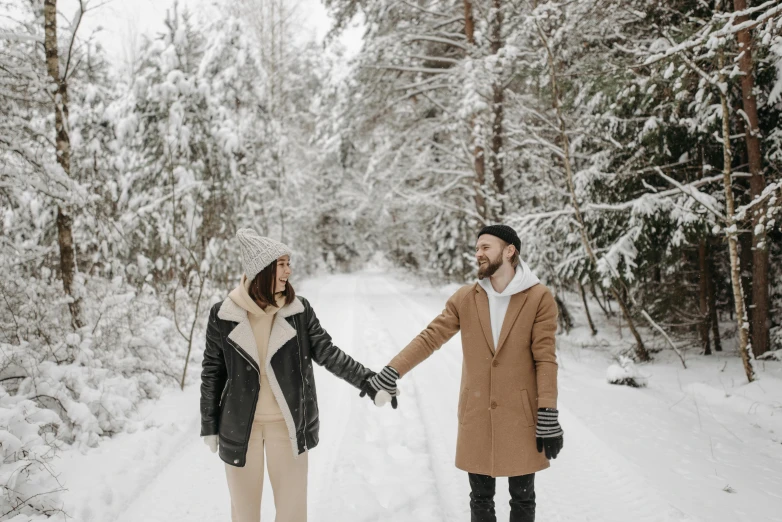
(258, 398)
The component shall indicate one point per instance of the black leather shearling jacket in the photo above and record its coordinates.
(230, 379)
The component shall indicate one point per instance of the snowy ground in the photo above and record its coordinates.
(695, 445)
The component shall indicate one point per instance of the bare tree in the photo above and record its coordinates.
(130, 39)
(59, 93)
(731, 231)
(188, 333)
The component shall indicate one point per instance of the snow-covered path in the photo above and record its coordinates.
(397, 465)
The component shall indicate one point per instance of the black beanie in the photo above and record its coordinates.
(503, 232)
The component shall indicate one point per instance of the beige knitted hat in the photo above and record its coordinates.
(258, 252)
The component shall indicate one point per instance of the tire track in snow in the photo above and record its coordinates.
(379, 469)
(401, 326)
(335, 304)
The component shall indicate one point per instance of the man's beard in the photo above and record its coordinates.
(488, 269)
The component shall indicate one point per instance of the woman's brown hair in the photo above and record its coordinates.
(262, 287)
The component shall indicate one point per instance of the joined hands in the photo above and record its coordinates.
(381, 387)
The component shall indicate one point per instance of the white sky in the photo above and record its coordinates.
(124, 22)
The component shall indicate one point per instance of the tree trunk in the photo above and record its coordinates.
(498, 98)
(745, 270)
(586, 308)
(760, 295)
(564, 316)
(479, 158)
(63, 148)
(735, 276)
(713, 316)
(640, 350)
(607, 300)
(745, 237)
(193, 324)
(703, 294)
(597, 299)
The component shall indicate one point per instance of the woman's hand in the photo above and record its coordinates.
(211, 441)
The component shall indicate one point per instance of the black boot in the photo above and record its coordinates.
(522, 498)
(482, 498)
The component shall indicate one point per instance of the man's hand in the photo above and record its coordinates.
(548, 433)
(211, 441)
(381, 386)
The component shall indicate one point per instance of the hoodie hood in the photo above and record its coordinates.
(523, 280)
(241, 296)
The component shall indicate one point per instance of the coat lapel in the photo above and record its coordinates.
(281, 333)
(482, 304)
(242, 334)
(514, 308)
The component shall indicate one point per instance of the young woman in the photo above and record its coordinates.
(257, 384)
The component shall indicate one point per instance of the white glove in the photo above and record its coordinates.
(211, 441)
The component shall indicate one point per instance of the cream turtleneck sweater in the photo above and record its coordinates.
(261, 322)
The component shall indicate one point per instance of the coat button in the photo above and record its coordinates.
(495, 363)
(249, 367)
(493, 405)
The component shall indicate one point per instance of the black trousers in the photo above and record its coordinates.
(522, 498)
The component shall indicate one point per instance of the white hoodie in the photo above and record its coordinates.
(498, 302)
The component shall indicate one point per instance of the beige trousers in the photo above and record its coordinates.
(287, 475)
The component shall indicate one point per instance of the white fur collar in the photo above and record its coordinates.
(230, 311)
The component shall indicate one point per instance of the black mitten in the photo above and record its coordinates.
(548, 433)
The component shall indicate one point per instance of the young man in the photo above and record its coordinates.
(507, 413)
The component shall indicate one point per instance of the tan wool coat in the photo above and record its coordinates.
(501, 387)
